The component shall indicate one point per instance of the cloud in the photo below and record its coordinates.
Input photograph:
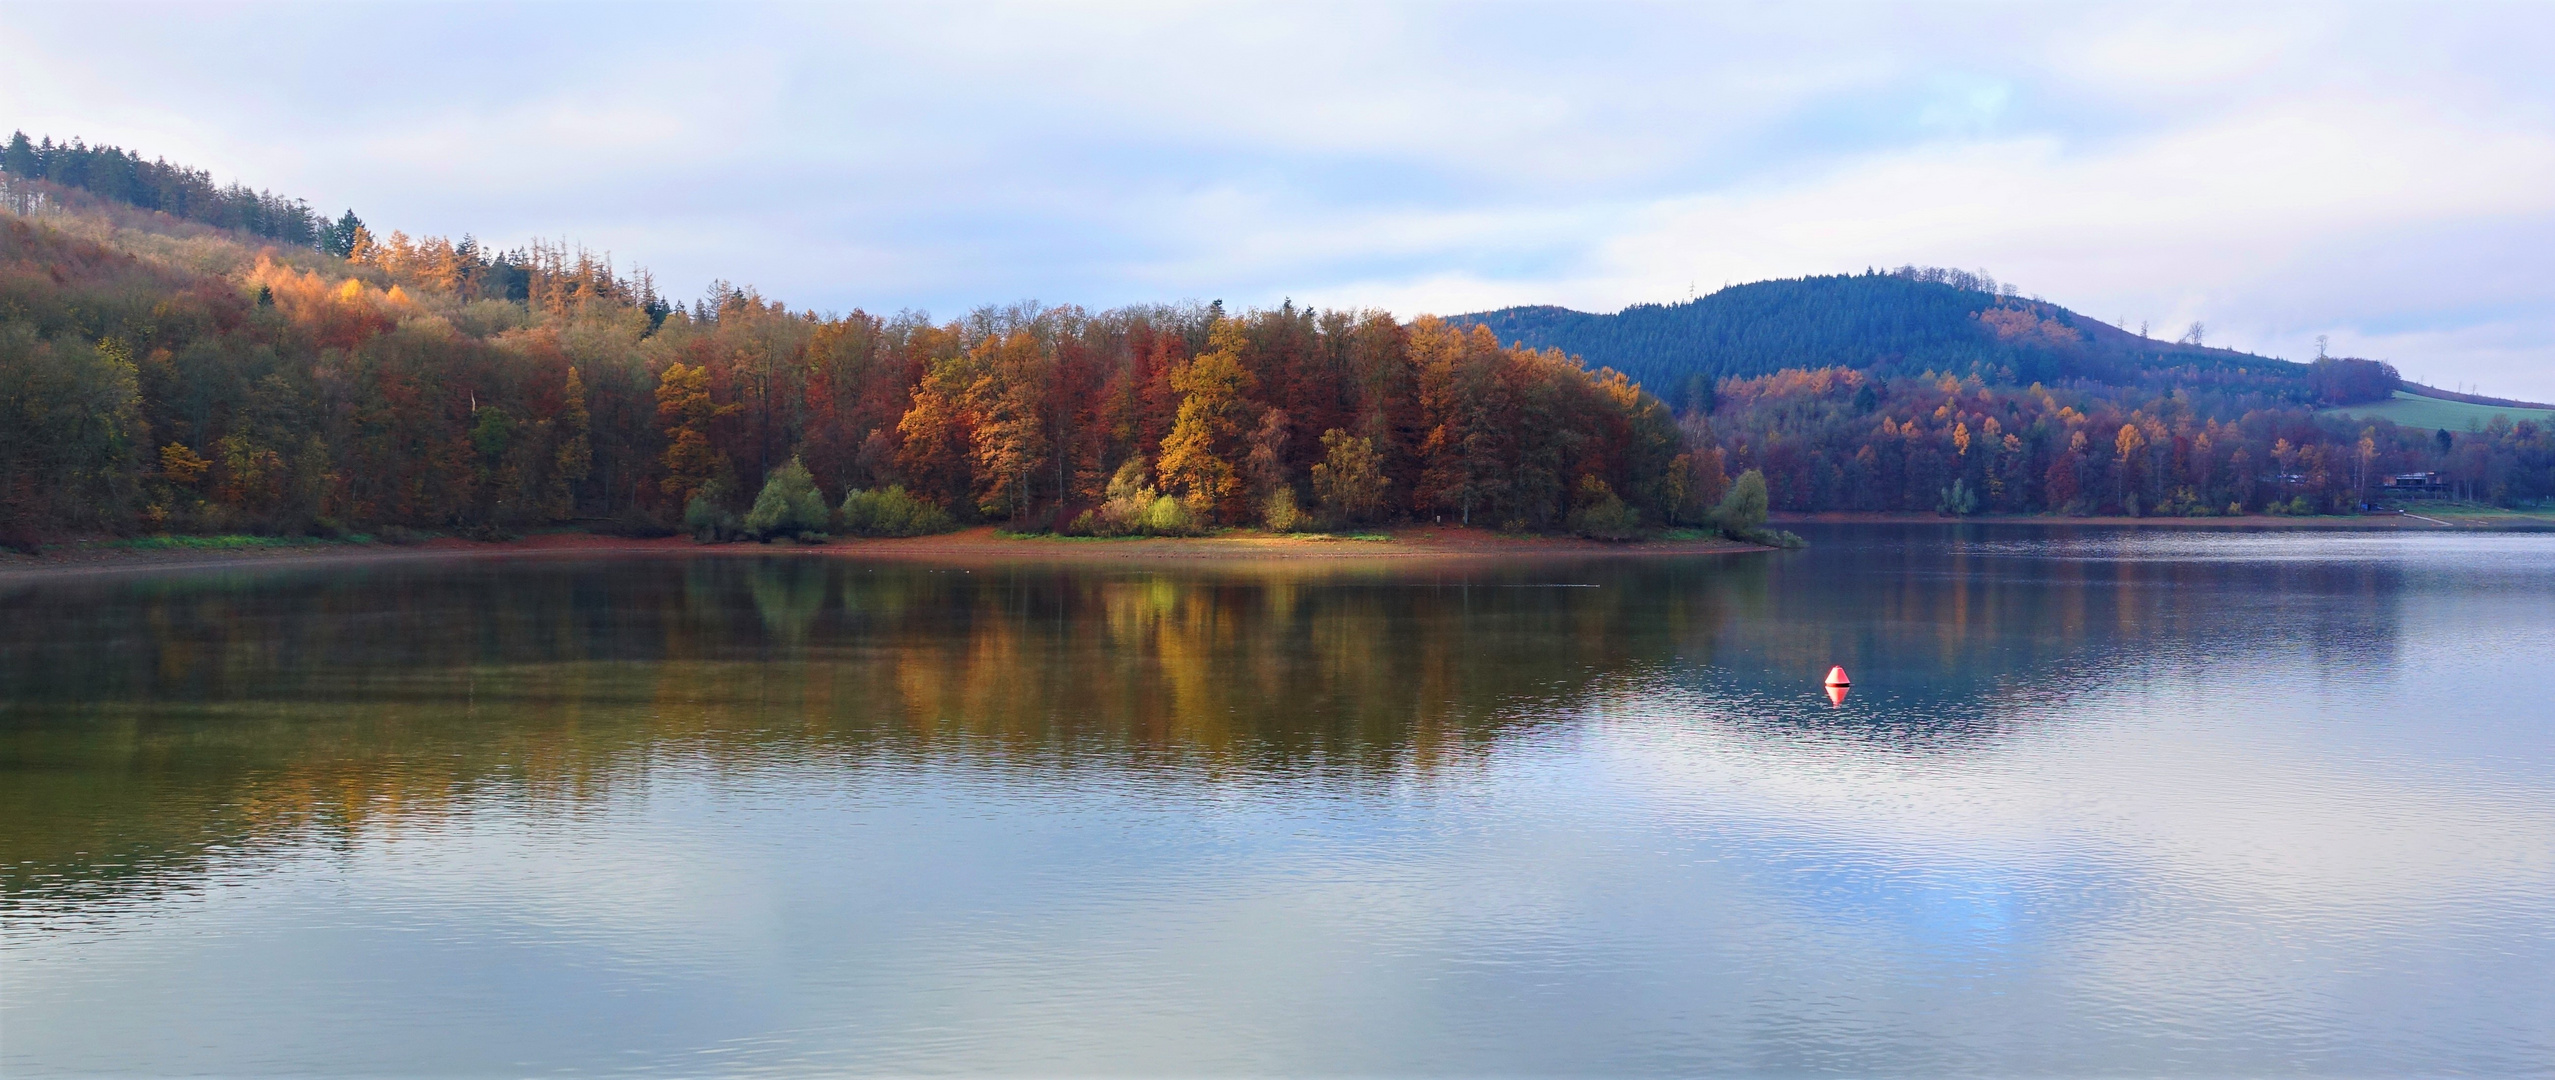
(2378, 175)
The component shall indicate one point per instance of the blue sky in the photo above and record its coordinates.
(2381, 175)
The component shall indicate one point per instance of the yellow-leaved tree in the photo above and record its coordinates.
(683, 404)
(1198, 456)
(1008, 398)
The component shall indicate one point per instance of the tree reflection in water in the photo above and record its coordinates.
(147, 722)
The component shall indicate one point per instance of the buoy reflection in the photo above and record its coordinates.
(1836, 696)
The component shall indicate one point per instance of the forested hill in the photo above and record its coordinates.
(1901, 322)
(177, 357)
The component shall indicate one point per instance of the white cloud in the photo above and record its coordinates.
(2279, 172)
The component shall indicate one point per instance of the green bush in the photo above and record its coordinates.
(1281, 514)
(706, 520)
(1957, 499)
(1166, 515)
(790, 506)
(1742, 510)
(893, 512)
(1134, 508)
(1601, 514)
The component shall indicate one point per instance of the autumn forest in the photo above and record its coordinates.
(177, 357)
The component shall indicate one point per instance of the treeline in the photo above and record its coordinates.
(1839, 439)
(549, 279)
(158, 374)
(183, 193)
(295, 391)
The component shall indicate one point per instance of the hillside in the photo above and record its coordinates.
(181, 368)
(1903, 322)
(179, 372)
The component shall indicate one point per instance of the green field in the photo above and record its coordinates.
(2412, 410)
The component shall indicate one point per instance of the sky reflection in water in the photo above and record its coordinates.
(2100, 803)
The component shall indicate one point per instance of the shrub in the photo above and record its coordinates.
(1167, 515)
(790, 505)
(706, 520)
(1957, 499)
(1281, 514)
(1134, 508)
(893, 512)
(1742, 510)
(1601, 514)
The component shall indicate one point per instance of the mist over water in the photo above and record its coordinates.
(2099, 803)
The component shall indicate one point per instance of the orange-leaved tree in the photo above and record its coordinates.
(1198, 456)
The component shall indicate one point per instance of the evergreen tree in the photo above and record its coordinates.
(339, 237)
(20, 159)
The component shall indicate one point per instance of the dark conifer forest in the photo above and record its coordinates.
(177, 356)
(1907, 321)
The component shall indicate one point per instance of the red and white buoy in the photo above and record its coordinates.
(1837, 684)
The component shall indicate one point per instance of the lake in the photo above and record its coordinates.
(2099, 803)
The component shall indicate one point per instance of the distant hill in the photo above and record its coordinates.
(2420, 390)
(180, 358)
(1897, 323)
(2422, 408)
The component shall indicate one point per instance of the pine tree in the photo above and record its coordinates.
(20, 159)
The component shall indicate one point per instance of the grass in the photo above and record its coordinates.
(2474, 513)
(2415, 411)
(228, 542)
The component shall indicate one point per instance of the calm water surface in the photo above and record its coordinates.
(2099, 804)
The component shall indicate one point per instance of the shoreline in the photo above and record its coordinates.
(981, 545)
(2381, 522)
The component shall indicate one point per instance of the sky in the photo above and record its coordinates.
(2382, 177)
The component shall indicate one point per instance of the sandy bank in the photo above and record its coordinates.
(973, 546)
